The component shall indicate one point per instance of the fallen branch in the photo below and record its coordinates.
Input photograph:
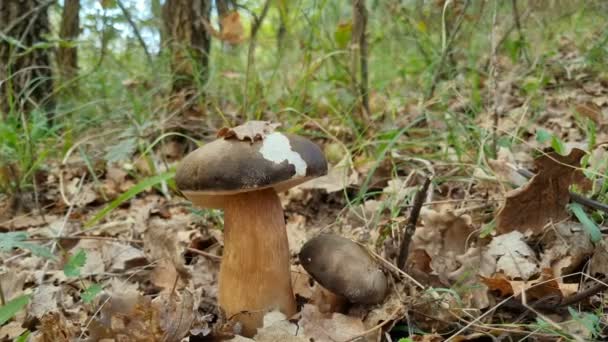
(410, 227)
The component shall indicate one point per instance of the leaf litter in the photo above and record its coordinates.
(153, 287)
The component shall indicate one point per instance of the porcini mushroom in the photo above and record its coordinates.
(241, 173)
(345, 268)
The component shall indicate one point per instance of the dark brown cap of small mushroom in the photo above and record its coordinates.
(345, 268)
(250, 157)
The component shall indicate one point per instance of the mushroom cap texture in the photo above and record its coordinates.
(345, 268)
(231, 165)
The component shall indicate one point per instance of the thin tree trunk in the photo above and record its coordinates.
(282, 31)
(67, 56)
(189, 43)
(25, 72)
(359, 55)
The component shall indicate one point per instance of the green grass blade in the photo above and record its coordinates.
(594, 232)
(139, 187)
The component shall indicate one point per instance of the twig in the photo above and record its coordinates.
(2, 299)
(493, 82)
(127, 15)
(410, 227)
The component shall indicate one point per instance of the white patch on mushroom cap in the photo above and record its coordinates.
(276, 148)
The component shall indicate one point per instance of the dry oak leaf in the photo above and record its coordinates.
(251, 130)
(565, 247)
(443, 237)
(543, 199)
(598, 265)
(513, 256)
(55, 328)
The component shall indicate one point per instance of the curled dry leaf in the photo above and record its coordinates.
(251, 130)
(177, 312)
(473, 263)
(55, 328)
(543, 199)
(565, 248)
(598, 264)
(162, 242)
(443, 237)
(126, 316)
(503, 167)
(44, 300)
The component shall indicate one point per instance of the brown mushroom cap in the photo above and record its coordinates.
(230, 165)
(345, 268)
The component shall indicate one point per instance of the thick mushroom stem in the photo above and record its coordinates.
(255, 272)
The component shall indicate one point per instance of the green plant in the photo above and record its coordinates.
(72, 269)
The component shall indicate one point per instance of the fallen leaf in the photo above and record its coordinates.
(513, 256)
(339, 177)
(598, 265)
(54, 327)
(543, 199)
(443, 236)
(231, 28)
(251, 130)
(565, 247)
(323, 328)
(503, 167)
(177, 311)
(44, 300)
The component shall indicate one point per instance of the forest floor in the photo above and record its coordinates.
(101, 250)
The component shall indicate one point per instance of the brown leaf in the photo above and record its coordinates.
(543, 199)
(55, 328)
(127, 316)
(251, 130)
(336, 327)
(232, 28)
(443, 237)
(498, 283)
(590, 110)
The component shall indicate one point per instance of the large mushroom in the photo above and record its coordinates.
(241, 173)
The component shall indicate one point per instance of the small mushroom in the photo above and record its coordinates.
(345, 268)
(241, 173)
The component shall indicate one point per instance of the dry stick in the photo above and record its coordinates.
(2, 299)
(410, 227)
(446, 50)
(493, 82)
(257, 23)
(127, 16)
(578, 198)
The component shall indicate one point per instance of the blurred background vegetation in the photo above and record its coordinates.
(109, 80)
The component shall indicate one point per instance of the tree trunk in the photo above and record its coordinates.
(25, 72)
(189, 42)
(67, 56)
(359, 56)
